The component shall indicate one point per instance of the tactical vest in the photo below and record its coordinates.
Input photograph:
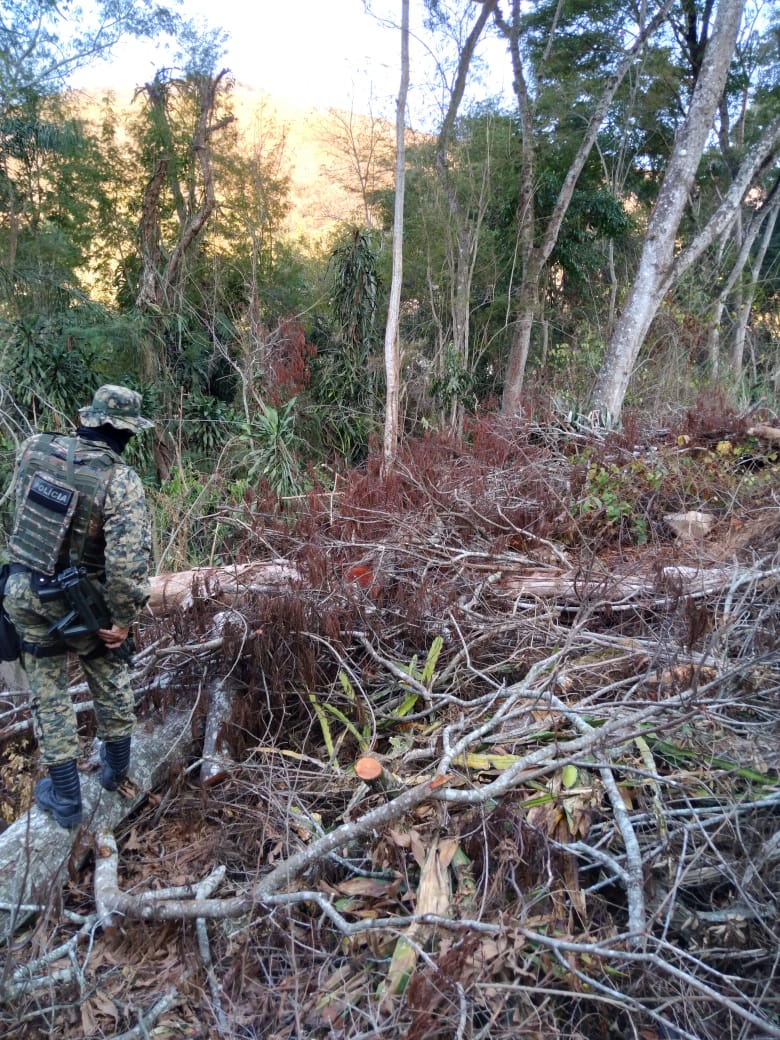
(61, 491)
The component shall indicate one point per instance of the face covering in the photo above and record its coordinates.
(116, 439)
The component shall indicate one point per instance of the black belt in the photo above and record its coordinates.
(47, 650)
(60, 649)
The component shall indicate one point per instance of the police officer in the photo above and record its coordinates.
(78, 505)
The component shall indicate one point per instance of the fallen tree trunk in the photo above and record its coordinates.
(224, 585)
(36, 854)
(768, 433)
(217, 760)
(574, 587)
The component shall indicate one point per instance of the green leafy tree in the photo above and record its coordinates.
(661, 264)
(43, 42)
(347, 366)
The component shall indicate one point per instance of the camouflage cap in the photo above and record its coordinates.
(118, 406)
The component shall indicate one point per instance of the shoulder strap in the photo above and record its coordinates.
(71, 479)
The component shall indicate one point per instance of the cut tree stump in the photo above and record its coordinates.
(376, 776)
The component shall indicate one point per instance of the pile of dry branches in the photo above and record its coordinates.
(471, 769)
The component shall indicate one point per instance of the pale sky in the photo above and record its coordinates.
(310, 52)
(323, 53)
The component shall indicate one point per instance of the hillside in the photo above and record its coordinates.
(327, 154)
(498, 757)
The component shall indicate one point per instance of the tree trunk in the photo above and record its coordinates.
(521, 345)
(769, 216)
(655, 265)
(466, 236)
(226, 585)
(158, 277)
(392, 346)
(534, 258)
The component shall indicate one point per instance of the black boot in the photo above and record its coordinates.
(115, 762)
(59, 794)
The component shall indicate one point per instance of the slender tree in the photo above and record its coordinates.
(762, 222)
(535, 244)
(465, 219)
(652, 279)
(392, 344)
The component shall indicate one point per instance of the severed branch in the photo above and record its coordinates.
(539, 762)
(408, 681)
(376, 776)
(152, 906)
(38, 974)
(111, 902)
(633, 877)
(146, 1021)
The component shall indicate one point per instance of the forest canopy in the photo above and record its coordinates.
(161, 241)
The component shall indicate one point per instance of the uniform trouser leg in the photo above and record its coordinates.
(112, 696)
(54, 724)
(53, 715)
(54, 719)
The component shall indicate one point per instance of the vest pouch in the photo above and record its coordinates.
(43, 518)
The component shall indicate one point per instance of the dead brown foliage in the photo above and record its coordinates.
(412, 631)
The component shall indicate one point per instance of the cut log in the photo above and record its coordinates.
(692, 525)
(767, 433)
(36, 853)
(217, 761)
(572, 587)
(225, 585)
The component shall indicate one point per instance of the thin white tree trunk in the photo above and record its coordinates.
(743, 315)
(533, 259)
(656, 262)
(392, 346)
(466, 227)
(716, 315)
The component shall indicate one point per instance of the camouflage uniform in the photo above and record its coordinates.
(116, 557)
(126, 589)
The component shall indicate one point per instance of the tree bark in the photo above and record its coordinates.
(655, 265)
(36, 853)
(466, 234)
(225, 585)
(392, 345)
(534, 258)
(743, 314)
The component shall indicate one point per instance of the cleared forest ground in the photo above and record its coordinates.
(574, 830)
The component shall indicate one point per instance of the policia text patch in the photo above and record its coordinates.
(42, 523)
(54, 496)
